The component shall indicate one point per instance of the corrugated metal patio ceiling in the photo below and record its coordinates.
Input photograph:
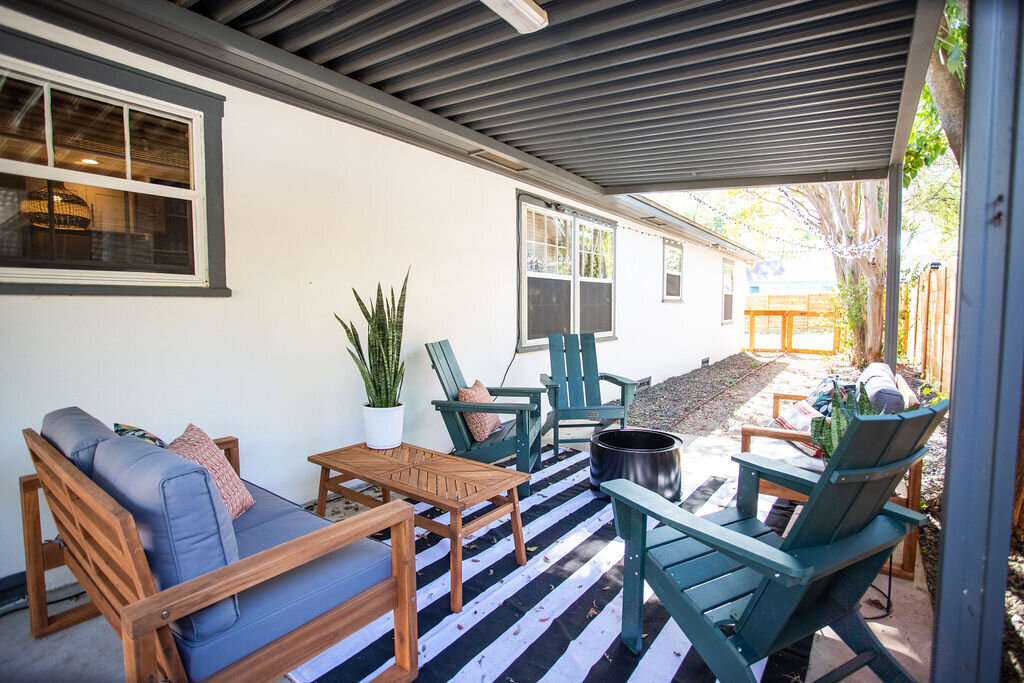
(629, 95)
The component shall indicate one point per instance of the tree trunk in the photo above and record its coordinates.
(948, 95)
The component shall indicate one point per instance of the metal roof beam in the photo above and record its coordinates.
(729, 182)
(677, 108)
(392, 23)
(737, 138)
(584, 39)
(558, 83)
(783, 119)
(927, 16)
(420, 54)
(804, 70)
(342, 19)
(234, 9)
(763, 163)
(739, 149)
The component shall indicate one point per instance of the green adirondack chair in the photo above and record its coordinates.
(740, 592)
(574, 386)
(519, 436)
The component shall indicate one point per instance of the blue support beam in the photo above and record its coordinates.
(892, 266)
(988, 357)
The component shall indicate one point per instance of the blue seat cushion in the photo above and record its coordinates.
(282, 604)
(182, 522)
(75, 433)
(880, 385)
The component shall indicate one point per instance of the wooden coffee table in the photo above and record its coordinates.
(442, 480)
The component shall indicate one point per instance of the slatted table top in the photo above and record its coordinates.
(444, 480)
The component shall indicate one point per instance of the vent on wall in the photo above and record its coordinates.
(704, 362)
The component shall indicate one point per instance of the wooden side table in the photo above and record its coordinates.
(442, 480)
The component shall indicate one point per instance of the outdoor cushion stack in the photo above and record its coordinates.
(186, 532)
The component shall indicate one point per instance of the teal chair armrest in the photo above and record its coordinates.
(776, 472)
(905, 515)
(468, 407)
(548, 382)
(618, 379)
(526, 392)
(766, 559)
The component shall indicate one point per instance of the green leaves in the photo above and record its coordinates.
(827, 432)
(380, 366)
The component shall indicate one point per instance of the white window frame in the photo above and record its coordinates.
(48, 78)
(665, 272)
(575, 279)
(729, 266)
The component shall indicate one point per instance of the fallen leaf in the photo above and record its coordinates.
(607, 657)
(677, 654)
(516, 632)
(543, 618)
(607, 588)
(642, 636)
(460, 627)
(489, 572)
(546, 559)
(591, 613)
(531, 548)
(475, 560)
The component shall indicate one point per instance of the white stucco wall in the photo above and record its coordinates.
(314, 207)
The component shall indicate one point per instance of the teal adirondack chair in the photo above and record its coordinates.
(519, 436)
(740, 592)
(574, 386)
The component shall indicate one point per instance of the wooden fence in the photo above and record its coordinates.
(928, 334)
(812, 326)
(793, 302)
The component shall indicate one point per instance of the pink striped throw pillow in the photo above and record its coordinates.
(195, 445)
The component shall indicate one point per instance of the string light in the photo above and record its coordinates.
(844, 251)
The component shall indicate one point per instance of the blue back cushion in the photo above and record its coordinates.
(75, 433)
(184, 527)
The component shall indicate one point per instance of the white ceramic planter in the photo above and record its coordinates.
(383, 426)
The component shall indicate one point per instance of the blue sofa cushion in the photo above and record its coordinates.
(282, 604)
(184, 527)
(75, 433)
(880, 384)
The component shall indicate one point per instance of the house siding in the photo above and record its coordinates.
(312, 208)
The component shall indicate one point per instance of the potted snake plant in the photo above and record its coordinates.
(380, 366)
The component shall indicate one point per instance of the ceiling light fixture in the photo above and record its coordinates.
(525, 16)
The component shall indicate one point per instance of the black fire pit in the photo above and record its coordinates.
(644, 456)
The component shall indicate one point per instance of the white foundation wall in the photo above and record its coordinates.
(313, 208)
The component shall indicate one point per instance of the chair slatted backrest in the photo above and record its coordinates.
(574, 367)
(101, 544)
(870, 461)
(447, 368)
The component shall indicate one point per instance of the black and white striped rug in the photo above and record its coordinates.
(558, 617)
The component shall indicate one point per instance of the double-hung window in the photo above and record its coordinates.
(672, 257)
(567, 268)
(100, 186)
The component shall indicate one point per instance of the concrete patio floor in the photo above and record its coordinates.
(92, 651)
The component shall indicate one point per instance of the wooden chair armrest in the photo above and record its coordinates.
(766, 559)
(617, 379)
(469, 407)
(779, 397)
(548, 382)
(229, 444)
(781, 473)
(749, 431)
(171, 604)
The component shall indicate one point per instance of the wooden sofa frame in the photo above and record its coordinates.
(100, 544)
(904, 569)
